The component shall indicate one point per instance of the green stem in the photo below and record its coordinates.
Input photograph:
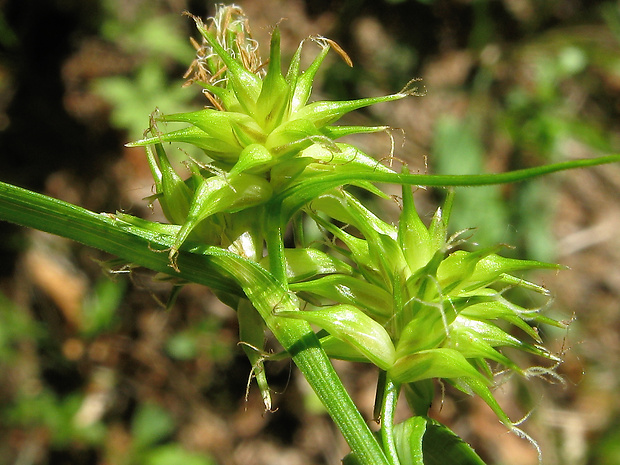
(298, 339)
(320, 374)
(105, 232)
(388, 409)
(310, 357)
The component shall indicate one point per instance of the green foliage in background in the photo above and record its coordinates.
(158, 45)
(529, 96)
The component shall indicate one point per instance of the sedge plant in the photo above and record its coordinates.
(405, 297)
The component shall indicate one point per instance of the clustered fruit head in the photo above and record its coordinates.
(259, 136)
(404, 297)
(418, 306)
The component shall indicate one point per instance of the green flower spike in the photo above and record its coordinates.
(261, 137)
(444, 309)
(254, 107)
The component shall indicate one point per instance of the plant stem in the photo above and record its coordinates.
(388, 409)
(105, 232)
(311, 359)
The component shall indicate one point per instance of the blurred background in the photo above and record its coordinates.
(95, 370)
